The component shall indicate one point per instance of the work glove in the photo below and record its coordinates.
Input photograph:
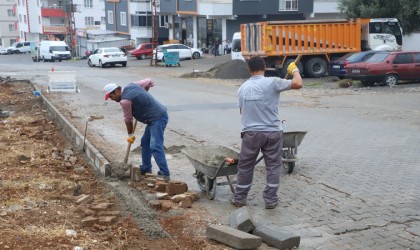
(131, 138)
(292, 68)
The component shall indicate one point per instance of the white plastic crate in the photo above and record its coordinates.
(62, 81)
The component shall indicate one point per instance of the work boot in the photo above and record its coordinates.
(143, 172)
(237, 204)
(271, 205)
(165, 177)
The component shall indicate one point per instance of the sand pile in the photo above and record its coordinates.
(235, 69)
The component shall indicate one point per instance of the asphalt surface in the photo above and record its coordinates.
(356, 181)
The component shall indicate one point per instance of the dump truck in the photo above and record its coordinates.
(318, 41)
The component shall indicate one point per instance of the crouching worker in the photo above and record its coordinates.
(138, 103)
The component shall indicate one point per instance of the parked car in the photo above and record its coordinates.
(387, 67)
(142, 51)
(21, 47)
(3, 51)
(184, 51)
(107, 56)
(338, 67)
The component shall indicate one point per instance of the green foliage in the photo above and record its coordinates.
(407, 11)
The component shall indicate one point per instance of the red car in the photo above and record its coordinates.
(143, 50)
(386, 68)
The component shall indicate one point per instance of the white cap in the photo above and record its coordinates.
(109, 88)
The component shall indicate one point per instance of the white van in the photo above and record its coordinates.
(21, 47)
(54, 50)
(236, 47)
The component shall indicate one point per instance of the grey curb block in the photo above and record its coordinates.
(95, 157)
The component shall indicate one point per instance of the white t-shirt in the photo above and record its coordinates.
(258, 99)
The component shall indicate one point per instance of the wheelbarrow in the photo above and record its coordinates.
(210, 162)
(291, 141)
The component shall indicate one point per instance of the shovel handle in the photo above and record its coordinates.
(129, 144)
(296, 61)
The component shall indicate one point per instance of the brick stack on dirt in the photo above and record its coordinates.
(165, 195)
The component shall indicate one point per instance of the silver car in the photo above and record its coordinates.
(107, 56)
(3, 51)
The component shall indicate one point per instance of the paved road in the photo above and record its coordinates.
(356, 183)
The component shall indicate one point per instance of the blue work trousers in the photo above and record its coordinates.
(152, 144)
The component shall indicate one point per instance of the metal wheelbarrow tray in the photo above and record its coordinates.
(291, 141)
(209, 162)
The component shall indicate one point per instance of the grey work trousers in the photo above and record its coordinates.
(270, 144)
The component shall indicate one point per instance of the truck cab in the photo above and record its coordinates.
(382, 34)
(236, 53)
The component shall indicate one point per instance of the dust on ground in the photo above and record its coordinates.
(42, 176)
(235, 69)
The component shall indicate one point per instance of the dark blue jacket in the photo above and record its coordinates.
(144, 106)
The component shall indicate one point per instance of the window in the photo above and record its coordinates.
(88, 4)
(110, 17)
(39, 19)
(123, 19)
(12, 27)
(403, 59)
(417, 57)
(10, 12)
(288, 5)
(142, 20)
(103, 19)
(20, 17)
(163, 20)
(11, 41)
(89, 20)
(24, 18)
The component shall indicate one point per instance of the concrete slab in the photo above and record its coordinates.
(233, 237)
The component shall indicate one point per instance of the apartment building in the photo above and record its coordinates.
(203, 23)
(326, 9)
(9, 31)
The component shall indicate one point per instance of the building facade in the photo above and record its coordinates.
(9, 29)
(205, 23)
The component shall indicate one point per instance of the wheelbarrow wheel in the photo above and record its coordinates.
(210, 188)
(289, 167)
(201, 181)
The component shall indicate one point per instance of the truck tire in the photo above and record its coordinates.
(316, 67)
(283, 71)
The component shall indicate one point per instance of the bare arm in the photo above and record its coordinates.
(296, 80)
(129, 126)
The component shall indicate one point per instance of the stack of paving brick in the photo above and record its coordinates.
(96, 214)
(244, 233)
(167, 195)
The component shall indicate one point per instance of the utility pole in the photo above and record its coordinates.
(155, 33)
(70, 8)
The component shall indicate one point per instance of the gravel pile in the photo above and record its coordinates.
(235, 69)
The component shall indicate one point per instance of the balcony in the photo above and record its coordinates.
(53, 11)
(54, 29)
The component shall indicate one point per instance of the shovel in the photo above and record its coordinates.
(129, 144)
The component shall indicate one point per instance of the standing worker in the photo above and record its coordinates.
(258, 104)
(136, 102)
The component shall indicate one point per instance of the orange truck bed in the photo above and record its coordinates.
(287, 38)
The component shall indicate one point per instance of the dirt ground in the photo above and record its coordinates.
(42, 177)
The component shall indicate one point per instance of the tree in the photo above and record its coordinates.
(407, 11)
